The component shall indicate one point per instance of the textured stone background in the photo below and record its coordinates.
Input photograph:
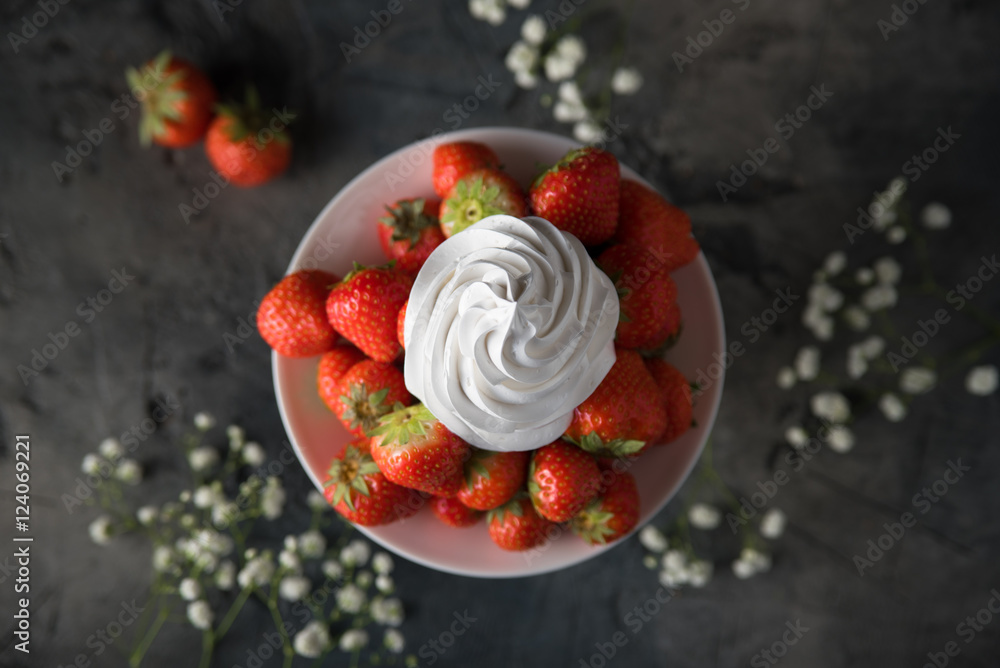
(162, 337)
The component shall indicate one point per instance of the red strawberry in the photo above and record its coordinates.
(624, 414)
(413, 449)
(357, 489)
(612, 515)
(178, 101)
(249, 145)
(454, 513)
(671, 330)
(400, 321)
(410, 232)
(580, 195)
(454, 160)
(516, 526)
(674, 391)
(478, 194)
(366, 392)
(332, 367)
(562, 480)
(364, 308)
(644, 296)
(292, 316)
(648, 221)
(492, 478)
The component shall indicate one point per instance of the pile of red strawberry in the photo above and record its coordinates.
(402, 456)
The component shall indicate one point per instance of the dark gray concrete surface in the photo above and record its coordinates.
(162, 336)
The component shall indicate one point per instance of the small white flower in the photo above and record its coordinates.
(896, 234)
(772, 524)
(353, 639)
(673, 579)
(558, 68)
(917, 380)
(350, 598)
(237, 437)
(588, 132)
(569, 92)
(565, 112)
(879, 297)
(363, 579)
(111, 448)
(294, 587)
(312, 640)
(204, 497)
(147, 515)
(832, 406)
(704, 516)
(887, 270)
(289, 560)
(533, 29)
(896, 188)
(312, 544)
(882, 219)
(864, 276)
(163, 558)
(857, 363)
(650, 561)
(332, 569)
(857, 318)
(873, 346)
(189, 589)
(394, 641)
(272, 498)
(822, 327)
(835, 263)
(892, 407)
(935, 216)
(203, 458)
(253, 454)
(522, 57)
(225, 575)
(91, 464)
(807, 363)
(257, 571)
(100, 530)
(387, 611)
(355, 553)
(797, 437)
(200, 615)
(840, 439)
(384, 584)
(204, 421)
(626, 81)
(653, 539)
(519, 4)
(761, 561)
(526, 80)
(316, 501)
(825, 296)
(982, 380)
(184, 496)
(224, 513)
(674, 560)
(382, 563)
(572, 48)
(699, 572)
(743, 569)
(786, 377)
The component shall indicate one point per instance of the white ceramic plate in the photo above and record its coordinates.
(344, 232)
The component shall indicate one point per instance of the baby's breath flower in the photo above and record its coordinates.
(384, 583)
(394, 641)
(203, 458)
(892, 407)
(565, 112)
(873, 346)
(879, 297)
(519, 4)
(257, 572)
(224, 513)
(786, 377)
(857, 318)
(533, 29)
(272, 498)
(363, 579)
(569, 92)
(236, 436)
(572, 48)
(832, 406)
(699, 572)
(382, 563)
(896, 234)
(294, 587)
(91, 464)
(558, 68)
(835, 263)
(807, 363)
(225, 575)
(888, 270)
(189, 589)
(626, 81)
(917, 380)
(353, 640)
(387, 611)
(797, 437)
(864, 276)
(674, 560)
(355, 553)
(840, 439)
(526, 80)
(163, 558)
(100, 530)
(588, 132)
(312, 640)
(649, 561)
(147, 515)
(312, 544)
(316, 501)
(857, 363)
(205, 496)
(982, 380)
(935, 216)
(704, 516)
(350, 599)
(200, 615)
(289, 560)
(204, 421)
(653, 539)
(772, 524)
(111, 448)
(332, 569)
(253, 454)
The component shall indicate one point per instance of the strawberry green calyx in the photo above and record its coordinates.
(475, 466)
(407, 219)
(251, 120)
(592, 523)
(563, 163)
(403, 423)
(512, 507)
(358, 268)
(364, 409)
(349, 473)
(472, 202)
(619, 447)
(162, 99)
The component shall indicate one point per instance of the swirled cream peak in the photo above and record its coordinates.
(509, 327)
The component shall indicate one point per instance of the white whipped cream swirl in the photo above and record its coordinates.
(509, 327)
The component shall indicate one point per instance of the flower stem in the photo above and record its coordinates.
(136, 659)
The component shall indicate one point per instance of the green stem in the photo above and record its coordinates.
(207, 645)
(234, 611)
(136, 659)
